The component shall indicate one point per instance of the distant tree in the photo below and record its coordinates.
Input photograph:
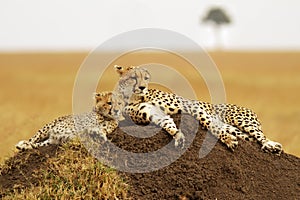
(217, 17)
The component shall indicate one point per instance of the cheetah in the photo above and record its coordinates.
(140, 112)
(101, 120)
(228, 122)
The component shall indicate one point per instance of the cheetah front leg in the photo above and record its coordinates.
(144, 113)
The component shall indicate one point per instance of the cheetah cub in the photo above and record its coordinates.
(102, 120)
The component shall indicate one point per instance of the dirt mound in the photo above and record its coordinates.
(247, 173)
(25, 168)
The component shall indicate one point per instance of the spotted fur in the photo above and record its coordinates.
(131, 85)
(227, 122)
(101, 120)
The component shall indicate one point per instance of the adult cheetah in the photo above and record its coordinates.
(227, 122)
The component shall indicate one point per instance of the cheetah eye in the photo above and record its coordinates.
(109, 103)
(146, 78)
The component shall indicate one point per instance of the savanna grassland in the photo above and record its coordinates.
(37, 87)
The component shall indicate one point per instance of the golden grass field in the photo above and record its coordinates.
(37, 87)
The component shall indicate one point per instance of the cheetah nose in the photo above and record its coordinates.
(142, 88)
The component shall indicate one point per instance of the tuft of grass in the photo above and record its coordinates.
(73, 174)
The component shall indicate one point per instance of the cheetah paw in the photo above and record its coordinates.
(23, 145)
(272, 147)
(231, 142)
(179, 139)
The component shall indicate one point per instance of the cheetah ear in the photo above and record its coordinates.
(108, 93)
(97, 95)
(132, 67)
(119, 69)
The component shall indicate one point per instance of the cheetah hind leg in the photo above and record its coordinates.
(272, 147)
(245, 137)
(24, 145)
(229, 139)
(267, 145)
(226, 133)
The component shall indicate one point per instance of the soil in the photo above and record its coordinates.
(246, 173)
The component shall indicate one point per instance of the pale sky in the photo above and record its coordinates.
(83, 25)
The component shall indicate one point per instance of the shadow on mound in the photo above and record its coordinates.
(247, 173)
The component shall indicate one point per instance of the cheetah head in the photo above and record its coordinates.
(109, 104)
(133, 80)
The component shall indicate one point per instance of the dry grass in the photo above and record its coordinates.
(36, 88)
(72, 174)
